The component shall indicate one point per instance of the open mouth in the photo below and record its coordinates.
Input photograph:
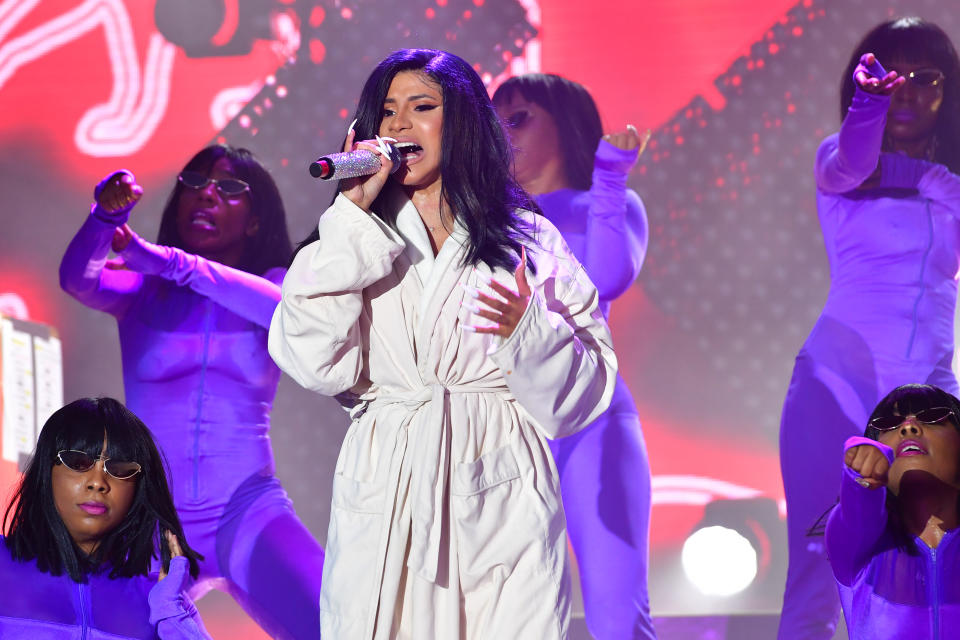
(409, 150)
(910, 449)
(202, 220)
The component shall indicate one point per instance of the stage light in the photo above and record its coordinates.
(719, 561)
(734, 549)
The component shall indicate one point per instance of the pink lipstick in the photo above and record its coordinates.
(911, 448)
(94, 508)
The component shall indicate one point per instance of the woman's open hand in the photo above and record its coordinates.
(175, 550)
(870, 83)
(870, 463)
(506, 310)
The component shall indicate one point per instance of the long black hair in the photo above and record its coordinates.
(915, 40)
(476, 179)
(36, 530)
(907, 400)
(573, 111)
(270, 247)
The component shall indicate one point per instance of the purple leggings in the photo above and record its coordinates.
(259, 552)
(605, 485)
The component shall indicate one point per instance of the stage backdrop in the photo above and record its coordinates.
(738, 94)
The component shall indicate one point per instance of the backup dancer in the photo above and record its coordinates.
(888, 207)
(892, 540)
(193, 312)
(579, 177)
(91, 511)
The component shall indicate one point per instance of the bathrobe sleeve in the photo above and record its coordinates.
(857, 522)
(315, 334)
(559, 361)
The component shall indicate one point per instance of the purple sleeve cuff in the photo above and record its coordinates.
(166, 598)
(614, 159)
(856, 441)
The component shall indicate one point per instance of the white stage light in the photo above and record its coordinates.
(719, 561)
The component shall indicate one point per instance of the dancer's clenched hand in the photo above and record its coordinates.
(870, 463)
(629, 139)
(120, 191)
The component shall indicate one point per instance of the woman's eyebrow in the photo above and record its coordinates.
(419, 96)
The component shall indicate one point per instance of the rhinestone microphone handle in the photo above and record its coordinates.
(350, 164)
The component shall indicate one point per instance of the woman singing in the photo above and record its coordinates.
(462, 333)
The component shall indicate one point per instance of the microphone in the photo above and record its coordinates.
(350, 164)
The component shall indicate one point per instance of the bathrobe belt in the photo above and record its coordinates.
(430, 467)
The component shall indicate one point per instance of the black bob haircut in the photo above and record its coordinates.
(475, 168)
(573, 111)
(270, 247)
(915, 40)
(907, 400)
(36, 530)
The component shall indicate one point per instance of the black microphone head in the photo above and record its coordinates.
(395, 157)
(320, 168)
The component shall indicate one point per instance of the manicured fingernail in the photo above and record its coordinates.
(468, 328)
(350, 128)
(389, 139)
(470, 306)
(863, 483)
(470, 291)
(484, 278)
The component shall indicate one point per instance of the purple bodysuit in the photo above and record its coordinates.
(886, 591)
(604, 472)
(888, 320)
(35, 605)
(197, 372)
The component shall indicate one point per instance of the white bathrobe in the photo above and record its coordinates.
(446, 519)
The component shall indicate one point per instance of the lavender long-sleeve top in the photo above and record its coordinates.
(37, 605)
(195, 364)
(606, 228)
(893, 253)
(885, 591)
